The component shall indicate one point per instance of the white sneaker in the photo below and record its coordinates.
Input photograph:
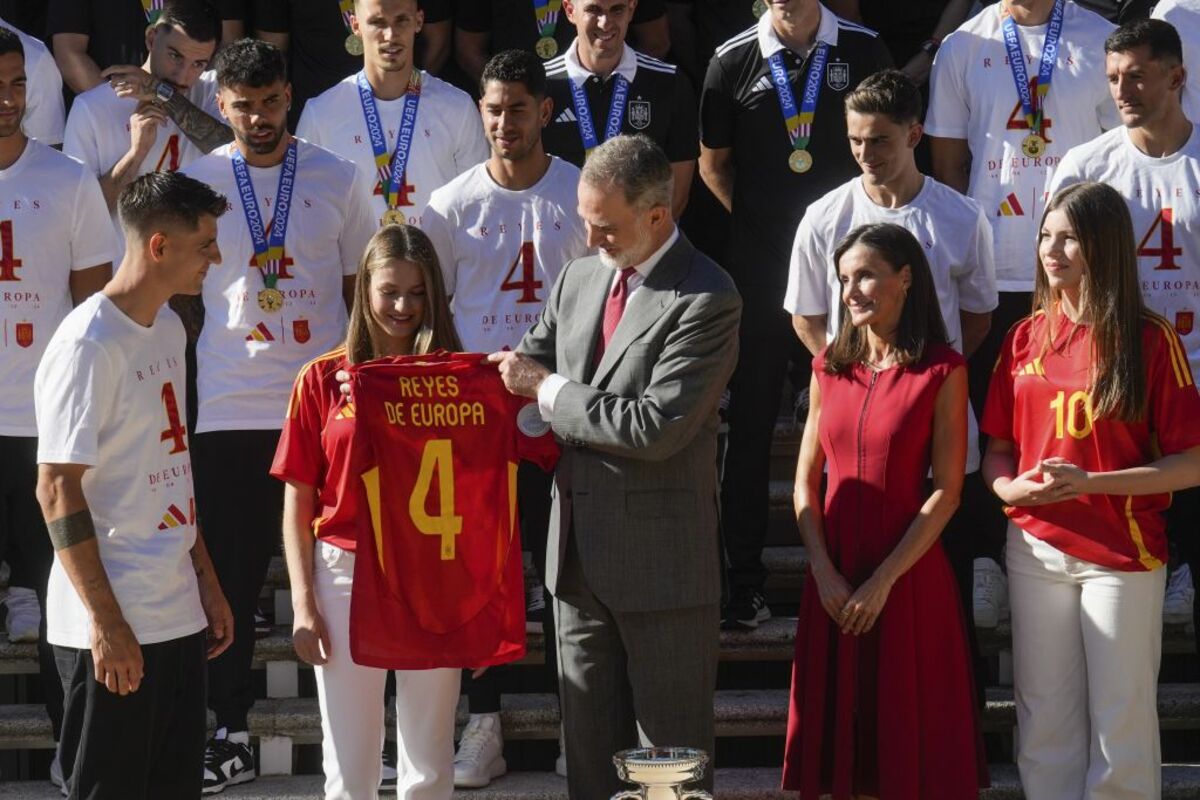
(480, 755)
(560, 763)
(990, 594)
(1177, 607)
(24, 615)
(56, 775)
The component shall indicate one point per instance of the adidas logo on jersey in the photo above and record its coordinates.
(568, 115)
(260, 333)
(1010, 207)
(762, 85)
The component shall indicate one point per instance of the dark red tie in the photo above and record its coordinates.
(614, 307)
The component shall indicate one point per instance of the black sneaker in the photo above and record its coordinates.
(226, 763)
(535, 607)
(262, 625)
(745, 611)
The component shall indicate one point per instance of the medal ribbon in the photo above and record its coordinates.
(154, 9)
(268, 252)
(347, 9)
(583, 112)
(546, 12)
(391, 169)
(799, 121)
(1033, 108)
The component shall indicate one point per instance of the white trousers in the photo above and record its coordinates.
(352, 712)
(1087, 641)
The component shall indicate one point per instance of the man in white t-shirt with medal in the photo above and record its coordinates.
(119, 136)
(132, 590)
(503, 230)
(298, 226)
(883, 123)
(1153, 160)
(408, 131)
(1012, 90)
(56, 250)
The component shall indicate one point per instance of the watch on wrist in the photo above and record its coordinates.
(163, 92)
(930, 47)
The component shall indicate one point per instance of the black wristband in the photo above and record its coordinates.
(71, 529)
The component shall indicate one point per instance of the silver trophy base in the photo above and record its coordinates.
(661, 773)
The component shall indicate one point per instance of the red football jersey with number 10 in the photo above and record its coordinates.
(438, 580)
(1039, 400)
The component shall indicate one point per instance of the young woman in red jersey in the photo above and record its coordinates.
(400, 308)
(882, 701)
(1092, 418)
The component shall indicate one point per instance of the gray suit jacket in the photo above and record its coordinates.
(637, 481)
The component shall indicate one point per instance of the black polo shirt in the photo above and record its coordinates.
(660, 105)
(317, 57)
(116, 29)
(739, 109)
(513, 24)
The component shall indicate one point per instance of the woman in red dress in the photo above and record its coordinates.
(882, 702)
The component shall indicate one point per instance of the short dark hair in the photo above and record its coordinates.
(250, 62)
(159, 200)
(890, 92)
(1161, 37)
(515, 66)
(921, 322)
(198, 19)
(10, 43)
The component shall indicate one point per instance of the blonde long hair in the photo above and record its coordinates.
(403, 243)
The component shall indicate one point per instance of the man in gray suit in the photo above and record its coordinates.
(628, 362)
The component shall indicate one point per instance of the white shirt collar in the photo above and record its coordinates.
(576, 71)
(769, 43)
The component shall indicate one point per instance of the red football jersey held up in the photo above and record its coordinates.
(438, 580)
(1039, 399)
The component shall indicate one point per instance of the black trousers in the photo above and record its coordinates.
(148, 745)
(240, 507)
(533, 508)
(767, 346)
(1183, 517)
(25, 545)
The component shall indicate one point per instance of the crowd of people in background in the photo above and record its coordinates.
(956, 243)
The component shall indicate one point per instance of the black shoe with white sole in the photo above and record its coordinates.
(745, 611)
(227, 762)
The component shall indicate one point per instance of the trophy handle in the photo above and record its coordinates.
(628, 794)
(696, 795)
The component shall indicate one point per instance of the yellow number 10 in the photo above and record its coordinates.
(437, 457)
(1066, 414)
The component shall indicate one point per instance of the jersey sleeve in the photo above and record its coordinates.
(437, 10)
(359, 224)
(1068, 172)
(435, 221)
(949, 107)
(474, 16)
(648, 11)
(718, 109)
(535, 442)
(472, 148)
(806, 289)
(271, 16)
(682, 143)
(1172, 402)
(308, 128)
(997, 420)
(92, 235)
(299, 456)
(73, 393)
(975, 278)
(67, 16)
(79, 139)
(45, 118)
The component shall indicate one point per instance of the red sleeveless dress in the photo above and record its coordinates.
(890, 713)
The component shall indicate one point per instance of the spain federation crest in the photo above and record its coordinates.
(837, 75)
(24, 333)
(639, 114)
(300, 331)
(1184, 322)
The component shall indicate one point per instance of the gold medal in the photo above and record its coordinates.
(546, 47)
(1033, 145)
(270, 299)
(800, 161)
(354, 44)
(393, 216)
(759, 8)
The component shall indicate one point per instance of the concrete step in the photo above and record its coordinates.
(739, 713)
(1180, 782)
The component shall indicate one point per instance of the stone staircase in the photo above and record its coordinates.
(750, 705)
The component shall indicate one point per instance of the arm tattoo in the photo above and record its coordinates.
(205, 131)
(71, 529)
